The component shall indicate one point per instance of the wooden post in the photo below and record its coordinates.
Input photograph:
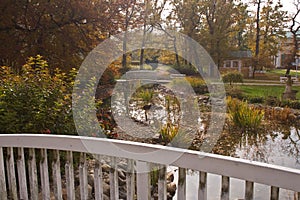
(32, 174)
(202, 191)
(182, 184)
(56, 174)
(22, 174)
(10, 163)
(143, 180)
(3, 191)
(83, 177)
(130, 183)
(274, 193)
(70, 176)
(44, 175)
(249, 191)
(225, 188)
(98, 181)
(113, 180)
(162, 183)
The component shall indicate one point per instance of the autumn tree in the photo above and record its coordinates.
(295, 27)
(62, 31)
(216, 25)
(273, 31)
(221, 22)
(238, 36)
(257, 22)
(186, 16)
(131, 17)
(269, 28)
(152, 18)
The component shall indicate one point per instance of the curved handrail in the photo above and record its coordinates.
(257, 172)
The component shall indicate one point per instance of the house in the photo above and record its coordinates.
(239, 61)
(284, 56)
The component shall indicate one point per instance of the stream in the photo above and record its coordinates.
(277, 149)
(280, 147)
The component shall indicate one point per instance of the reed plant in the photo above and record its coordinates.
(175, 137)
(146, 95)
(244, 116)
(171, 132)
(168, 132)
(170, 129)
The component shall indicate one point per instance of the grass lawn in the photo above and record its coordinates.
(275, 74)
(265, 91)
(281, 72)
(268, 76)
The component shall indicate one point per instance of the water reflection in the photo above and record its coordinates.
(292, 148)
(279, 147)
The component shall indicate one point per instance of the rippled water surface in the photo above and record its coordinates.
(276, 148)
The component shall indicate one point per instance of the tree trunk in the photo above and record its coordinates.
(143, 49)
(176, 52)
(144, 36)
(124, 60)
(257, 41)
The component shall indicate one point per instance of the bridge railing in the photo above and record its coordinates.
(31, 167)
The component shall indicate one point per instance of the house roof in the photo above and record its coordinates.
(241, 54)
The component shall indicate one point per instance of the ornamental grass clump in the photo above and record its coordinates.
(198, 84)
(146, 95)
(173, 136)
(170, 129)
(168, 132)
(243, 116)
(171, 132)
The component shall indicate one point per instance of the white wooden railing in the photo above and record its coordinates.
(19, 177)
(283, 79)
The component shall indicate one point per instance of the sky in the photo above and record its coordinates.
(287, 6)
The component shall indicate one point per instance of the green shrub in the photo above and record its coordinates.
(272, 101)
(291, 104)
(232, 77)
(295, 104)
(188, 70)
(243, 116)
(234, 91)
(35, 100)
(198, 85)
(255, 99)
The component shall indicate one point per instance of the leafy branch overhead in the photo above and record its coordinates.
(64, 32)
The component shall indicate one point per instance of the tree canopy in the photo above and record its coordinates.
(65, 31)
